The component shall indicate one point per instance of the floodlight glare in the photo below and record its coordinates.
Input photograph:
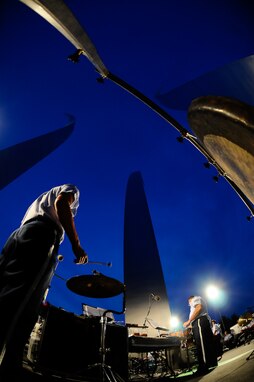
(212, 292)
(174, 322)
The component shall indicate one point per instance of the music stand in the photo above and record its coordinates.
(156, 326)
(91, 311)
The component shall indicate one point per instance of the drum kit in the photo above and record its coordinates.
(98, 285)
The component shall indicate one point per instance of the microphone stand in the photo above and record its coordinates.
(149, 309)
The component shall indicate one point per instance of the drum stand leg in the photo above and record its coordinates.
(105, 372)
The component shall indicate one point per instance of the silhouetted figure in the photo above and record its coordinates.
(200, 322)
(27, 264)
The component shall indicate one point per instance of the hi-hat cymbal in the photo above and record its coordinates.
(96, 286)
(225, 126)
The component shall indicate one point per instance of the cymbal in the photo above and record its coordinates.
(96, 286)
(225, 127)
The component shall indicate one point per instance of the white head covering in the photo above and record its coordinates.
(44, 205)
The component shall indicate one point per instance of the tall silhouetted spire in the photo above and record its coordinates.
(17, 159)
(145, 287)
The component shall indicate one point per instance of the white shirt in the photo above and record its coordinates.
(196, 300)
(216, 329)
(44, 205)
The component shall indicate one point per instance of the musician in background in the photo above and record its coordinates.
(218, 338)
(229, 340)
(247, 331)
(27, 264)
(249, 326)
(200, 322)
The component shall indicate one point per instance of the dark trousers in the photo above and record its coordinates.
(218, 344)
(203, 336)
(26, 267)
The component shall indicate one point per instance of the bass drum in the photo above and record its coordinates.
(63, 343)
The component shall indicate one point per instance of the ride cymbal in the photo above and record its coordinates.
(95, 286)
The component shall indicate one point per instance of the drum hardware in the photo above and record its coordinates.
(60, 258)
(95, 286)
(100, 286)
(106, 373)
(107, 264)
(56, 349)
(60, 277)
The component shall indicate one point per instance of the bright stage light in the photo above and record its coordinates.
(174, 322)
(217, 297)
(212, 292)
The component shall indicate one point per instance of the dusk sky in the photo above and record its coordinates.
(201, 229)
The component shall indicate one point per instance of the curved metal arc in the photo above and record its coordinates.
(136, 93)
(61, 17)
(184, 134)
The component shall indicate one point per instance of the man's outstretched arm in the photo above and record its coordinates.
(62, 206)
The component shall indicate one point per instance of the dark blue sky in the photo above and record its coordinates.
(200, 226)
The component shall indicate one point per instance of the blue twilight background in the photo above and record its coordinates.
(200, 226)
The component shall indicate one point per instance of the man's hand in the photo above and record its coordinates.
(80, 254)
(186, 324)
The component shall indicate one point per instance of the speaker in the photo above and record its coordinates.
(70, 344)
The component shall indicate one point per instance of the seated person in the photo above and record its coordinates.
(247, 331)
(250, 325)
(229, 340)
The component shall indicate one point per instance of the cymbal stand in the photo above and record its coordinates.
(106, 373)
